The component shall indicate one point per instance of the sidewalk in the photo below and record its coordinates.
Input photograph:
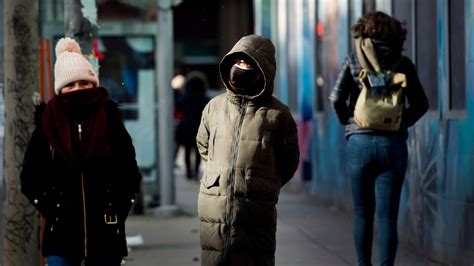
(308, 233)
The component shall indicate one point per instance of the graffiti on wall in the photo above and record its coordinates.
(20, 219)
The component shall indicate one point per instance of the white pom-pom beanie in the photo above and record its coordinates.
(71, 65)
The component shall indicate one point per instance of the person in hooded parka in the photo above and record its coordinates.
(249, 142)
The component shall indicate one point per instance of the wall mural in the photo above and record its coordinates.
(420, 196)
(437, 205)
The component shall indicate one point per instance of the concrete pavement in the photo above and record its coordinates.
(308, 233)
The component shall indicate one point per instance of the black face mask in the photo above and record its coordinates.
(80, 104)
(243, 79)
(384, 51)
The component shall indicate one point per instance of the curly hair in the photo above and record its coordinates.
(378, 25)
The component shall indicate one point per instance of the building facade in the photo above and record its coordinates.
(312, 39)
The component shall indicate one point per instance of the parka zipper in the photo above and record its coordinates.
(230, 181)
(79, 131)
(84, 211)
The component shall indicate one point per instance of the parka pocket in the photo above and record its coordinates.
(211, 180)
(212, 142)
(262, 185)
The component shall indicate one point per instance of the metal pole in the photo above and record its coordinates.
(164, 58)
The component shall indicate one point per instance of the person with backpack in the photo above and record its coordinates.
(79, 169)
(377, 96)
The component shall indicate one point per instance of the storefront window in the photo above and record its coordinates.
(123, 60)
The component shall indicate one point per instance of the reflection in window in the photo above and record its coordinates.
(457, 77)
(123, 58)
(404, 12)
(426, 50)
(332, 44)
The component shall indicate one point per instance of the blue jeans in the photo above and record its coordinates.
(62, 261)
(376, 166)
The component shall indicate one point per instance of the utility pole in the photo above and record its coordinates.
(164, 56)
(2, 117)
(21, 229)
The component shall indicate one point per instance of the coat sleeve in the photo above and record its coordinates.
(202, 138)
(416, 98)
(289, 153)
(341, 93)
(129, 178)
(33, 174)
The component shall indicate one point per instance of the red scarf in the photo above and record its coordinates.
(85, 107)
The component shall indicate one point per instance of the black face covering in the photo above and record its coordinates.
(243, 80)
(385, 52)
(80, 104)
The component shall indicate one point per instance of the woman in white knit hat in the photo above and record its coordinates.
(79, 169)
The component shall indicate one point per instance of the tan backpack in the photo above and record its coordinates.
(375, 109)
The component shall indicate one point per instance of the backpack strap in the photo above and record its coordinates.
(396, 63)
(366, 55)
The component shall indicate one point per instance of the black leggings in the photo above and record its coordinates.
(192, 173)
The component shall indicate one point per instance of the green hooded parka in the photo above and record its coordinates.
(250, 147)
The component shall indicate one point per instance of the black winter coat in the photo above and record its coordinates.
(84, 205)
(191, 105)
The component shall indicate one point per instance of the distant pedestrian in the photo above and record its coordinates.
(369, 99)
(177, 83)
(79, 169)
(190, 105)
(249, 140)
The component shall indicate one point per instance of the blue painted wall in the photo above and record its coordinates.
(437, 206)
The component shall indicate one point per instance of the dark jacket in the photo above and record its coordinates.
(344, 95)
(76, 199)
(250, 145)
(191, 105)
